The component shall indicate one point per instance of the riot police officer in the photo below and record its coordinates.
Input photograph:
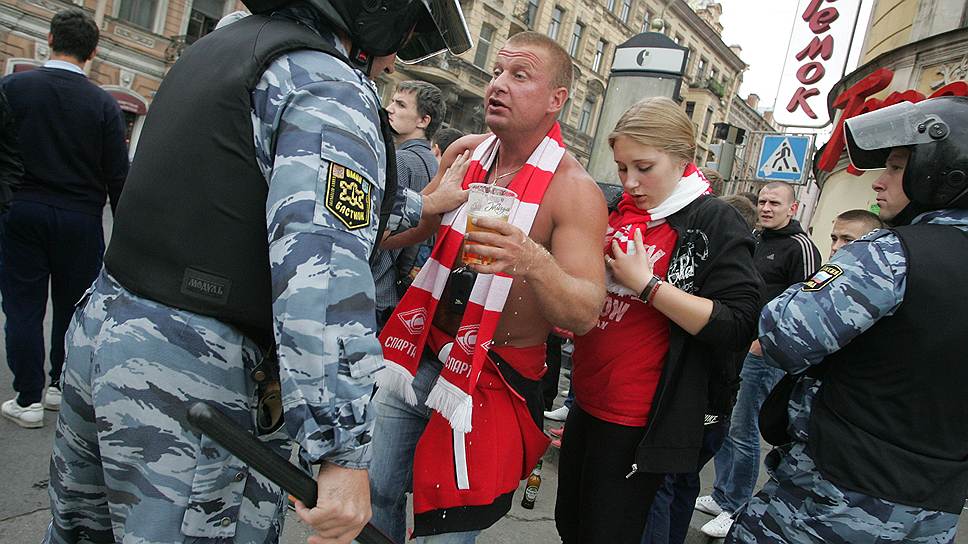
(238, 275)
(878, 419)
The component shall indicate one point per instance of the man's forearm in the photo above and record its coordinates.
(567, 302)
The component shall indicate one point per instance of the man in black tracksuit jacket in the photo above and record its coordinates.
(784, 255)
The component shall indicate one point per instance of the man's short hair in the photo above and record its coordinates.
(74, 33)
(445, 137)
(862, 216)
(561, 67)
(745, 208)
(773, 185)
(751, 196)
(430, 101)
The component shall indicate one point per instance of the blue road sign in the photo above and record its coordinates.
(783, 157)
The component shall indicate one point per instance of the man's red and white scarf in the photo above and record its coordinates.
(628, 217)
(405, 334)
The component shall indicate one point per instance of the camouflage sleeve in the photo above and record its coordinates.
(406, 211)
(861, 284)
(318, 141)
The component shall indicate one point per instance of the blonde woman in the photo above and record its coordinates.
(682, 301)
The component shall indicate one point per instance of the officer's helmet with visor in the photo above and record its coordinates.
(413, 29)
(936, 133)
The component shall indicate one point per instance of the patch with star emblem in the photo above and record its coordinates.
(823, 277)
(348, 196)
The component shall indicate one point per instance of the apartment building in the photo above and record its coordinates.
(141, 39)
(589, 31)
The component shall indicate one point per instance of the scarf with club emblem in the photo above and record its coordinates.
(405, 334)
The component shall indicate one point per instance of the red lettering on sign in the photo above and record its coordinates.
(851, 101)
(799, 100)
(958, 88)
(811, 10)
(824, 48)
(855, 101)
(810, 73)
(820, 22)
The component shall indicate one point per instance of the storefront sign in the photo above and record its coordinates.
(816, 56)
(856, 100)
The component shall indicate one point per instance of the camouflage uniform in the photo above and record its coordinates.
(798, 329)
(126, 467)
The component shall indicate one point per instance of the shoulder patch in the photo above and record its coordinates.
(348, 196)
(823, 277)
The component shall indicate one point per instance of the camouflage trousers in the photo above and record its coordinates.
(126, 467)
(800, 506)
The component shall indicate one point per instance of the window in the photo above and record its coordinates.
(532, 15)
(701, 68)
(678, 39)
(714, 75)
(705, 124)
(690, 109)
(205, 15)
(646, 20)
(139, 12)
(626, 9)
(576, 39)
(563, 114)
(556, 15)
(600, 48)
(611, 5)
(585, 118)
(484, 46)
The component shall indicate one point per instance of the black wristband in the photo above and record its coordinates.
(644, 295)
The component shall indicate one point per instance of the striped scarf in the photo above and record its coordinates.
(405, 334)
(628, 218)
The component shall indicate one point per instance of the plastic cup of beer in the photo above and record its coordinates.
(485, 201)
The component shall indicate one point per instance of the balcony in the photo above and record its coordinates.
(175, 48)
(576, 139)
(717, 88)
(526, 13)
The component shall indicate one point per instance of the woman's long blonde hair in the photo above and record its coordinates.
(658, 122)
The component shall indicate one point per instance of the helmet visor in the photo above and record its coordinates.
(871, 136)
(441, 27)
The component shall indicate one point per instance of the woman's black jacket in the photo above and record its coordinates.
(713, 258)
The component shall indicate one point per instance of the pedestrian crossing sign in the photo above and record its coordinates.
(783, 157)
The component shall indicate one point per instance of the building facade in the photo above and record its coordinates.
(140, 40)
(589, 31)
(914, 49)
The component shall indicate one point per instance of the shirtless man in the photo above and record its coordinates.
(558, 280)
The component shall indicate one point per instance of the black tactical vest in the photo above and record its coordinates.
(190, 230)
(891, 417)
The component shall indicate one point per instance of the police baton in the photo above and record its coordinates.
(263, 460)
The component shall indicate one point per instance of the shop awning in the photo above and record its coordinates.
(129, 103)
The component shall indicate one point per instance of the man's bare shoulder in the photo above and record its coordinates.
(469, 141)
(572, 188)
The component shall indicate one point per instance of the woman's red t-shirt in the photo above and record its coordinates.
(618, 364)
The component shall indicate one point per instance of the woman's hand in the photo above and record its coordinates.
(631, 270)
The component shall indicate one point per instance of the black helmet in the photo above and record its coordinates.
(936, 132)
(382, 27)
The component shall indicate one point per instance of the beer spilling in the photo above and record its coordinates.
(485, 201)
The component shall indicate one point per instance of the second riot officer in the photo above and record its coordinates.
(878, 414)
